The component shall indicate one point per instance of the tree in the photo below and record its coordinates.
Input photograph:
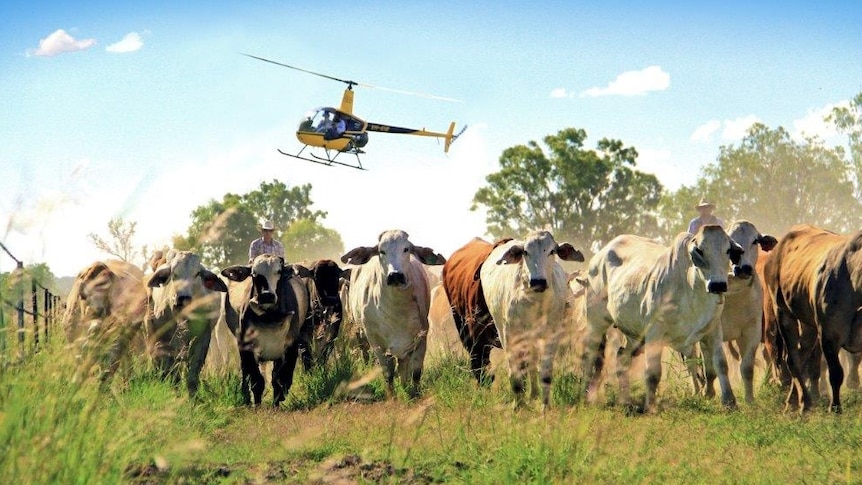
(848, 120)
(119, 242)
(774, 182)
(307, 240)
(283, 206)
(583, 196)
(221, 231)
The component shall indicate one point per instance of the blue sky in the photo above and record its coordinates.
(147, 110)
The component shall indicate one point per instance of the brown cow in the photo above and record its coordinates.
(814, 280)
(469, 309)
(105, 310)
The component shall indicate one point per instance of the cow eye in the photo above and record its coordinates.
(382, 253)
(406, 250)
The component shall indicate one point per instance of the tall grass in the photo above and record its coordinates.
(144, 430)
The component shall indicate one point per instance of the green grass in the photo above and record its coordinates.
(144, 430)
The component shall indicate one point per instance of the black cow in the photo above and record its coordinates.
(265, 308)
(322, 326)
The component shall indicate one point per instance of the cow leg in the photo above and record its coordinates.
(480, 361)
(691, 362)
(852, 372)
(790, 332)
(719, 361)
(652, 374)
(546, 370)
(836, 373)
(198, 350)
(474, 347)
(282, 374)
(387, 362)
(593, 358)
(812, 358)
(252, 380)
(410, 369)
(518, 356)
(748, 350)
(625, 354)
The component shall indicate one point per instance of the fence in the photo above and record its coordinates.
(35, 308)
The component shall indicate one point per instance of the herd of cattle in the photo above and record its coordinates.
(799, 298)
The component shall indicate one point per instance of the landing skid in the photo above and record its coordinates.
(328, 161)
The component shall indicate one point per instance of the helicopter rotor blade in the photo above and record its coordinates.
(349, 83)
(412, 93)
(354, 83)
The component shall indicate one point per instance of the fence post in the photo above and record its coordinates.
(34, 306)
(47, 304)
(19, 270)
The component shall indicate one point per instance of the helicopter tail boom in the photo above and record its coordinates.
(449, 137)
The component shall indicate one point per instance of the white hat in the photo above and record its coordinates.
(267, 225)
(704, 203)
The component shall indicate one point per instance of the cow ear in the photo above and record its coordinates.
(697, 258)
(767, 242)
(735, 252)
(302, 271)
(236, 273)
(159, 277)
(345, 273)
(212, 282)
(359, 255)
(567, 252)
(428, 256)
(513, 255)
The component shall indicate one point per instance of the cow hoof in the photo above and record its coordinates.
(633, 410)
(835, 409)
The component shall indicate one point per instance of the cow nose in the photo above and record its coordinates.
(716, 287)
(743, 271)
(266, 298)
(183, 300)
(396, 278)
(538, 285)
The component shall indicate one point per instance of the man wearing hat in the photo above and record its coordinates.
(265, 244)
(705, 209)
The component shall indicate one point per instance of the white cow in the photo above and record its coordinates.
(104, 313)
(659, 296)
(741, 318)
(526, 291)
(184, 307)
(389, 297)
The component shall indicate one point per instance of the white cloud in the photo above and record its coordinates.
(634, 83)
(129, 43)
(59, 42)
(704, 132)
(737, 129)
(731, 130)
(559, 93)
(813, 124)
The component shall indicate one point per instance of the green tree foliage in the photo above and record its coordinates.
(583, 196)
(307, 240)
(775, 182)
(848, 120)
(221, 231)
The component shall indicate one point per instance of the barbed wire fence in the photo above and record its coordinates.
(38, 295)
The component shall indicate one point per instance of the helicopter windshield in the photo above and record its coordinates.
(317, 120)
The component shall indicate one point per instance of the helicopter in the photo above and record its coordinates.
(338, 131)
